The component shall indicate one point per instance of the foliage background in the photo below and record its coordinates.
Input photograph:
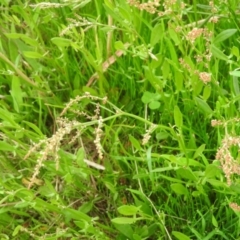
(141, 163)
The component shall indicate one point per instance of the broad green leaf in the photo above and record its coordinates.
(34, 127)
(125, 229)
(178, 80)
(61, 42)
(207, 92)
(180, 236)
(16, 230)
(157, 63)
(196, 233)
(214, 222)
(123, 220)
(22, 204)
(109, 4)
(236, 86)
(156, 34)
(181, 160)
(154, 105)
(139, 193)
(119, 45)
(128, 210)
(81, 4)
(217, 183)
(149, 162)
(235, 187)
(47, 189)
(4, 146)
(111, 187)
(199, 151)
(172, 50)
(196, 193)
(81, 224)
(235, 73)
(80, 157)
(163, 169)
(197, 87)
(152, 78)
(178, 117)
(75, 214)
(136, 237)
(13, 35)
(25, 194)
(224, 35)
(203, 106)
(92, 91)
(147, 97)
(211, 171)
(135, 142)
(30, 54)
(17, 94)
(125, 12)
(235, 51)
(174, 35)
(186, 174)
(218, 53)
(86, 207)
(162, 135)
(166, 69)
(215, 232)
(43, 205)
(29, 41)
(178, 188)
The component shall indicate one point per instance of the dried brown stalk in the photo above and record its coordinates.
(112, 59)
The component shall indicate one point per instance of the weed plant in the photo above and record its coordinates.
(119, 119)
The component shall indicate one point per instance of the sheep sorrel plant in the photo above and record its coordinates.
(107, 111)
(70, 149)
(228, 156)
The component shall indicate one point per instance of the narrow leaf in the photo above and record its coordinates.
(224, 35)
(125, 229)
(16, 93)
(34, 127)
(214, 222)
(30, 54)
(211, 171)
(135, 142)
(6, 147)
(180, 236)
(128, 210)
(61, 42)
(178, 117)
(178, 188)
(199, 151)
(218, 53)
(235, 73)
(156, 34)
(29, 40)
(207, 92)
(203, 106)
(75, 214)
(186, 174)
(123, 220)
(235, 51)
(80, 157)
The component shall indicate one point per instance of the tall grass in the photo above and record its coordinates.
(119, 120)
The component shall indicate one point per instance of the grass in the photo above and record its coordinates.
(119, 120)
